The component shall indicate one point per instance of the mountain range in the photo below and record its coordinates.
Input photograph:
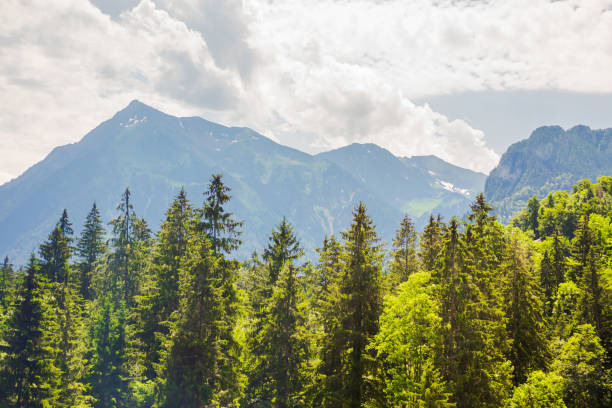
(550, 159)
(155, 154)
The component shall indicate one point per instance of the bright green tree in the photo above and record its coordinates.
(407, 344)
(542, 390)
(580, 362)
(28, 376)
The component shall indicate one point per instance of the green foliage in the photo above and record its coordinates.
(90, 249)
(541, 390)
(404, 256)
(407, 344)
(172, 320)
(29, 377)
(580, 362)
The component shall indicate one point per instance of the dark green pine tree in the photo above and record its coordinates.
(431, 243)
(587, 269)
(6, 286)
(108, 375)
(548, 282)
(404, 257)
(344, 376)
(130, 243)
(218, 224)
(526, 325)
(283, 247)
(159, 295)
(472, 360)
(56, 251)
(326, 275)
(199, 368)
(29, 377)
(284, 350)
(90, 248)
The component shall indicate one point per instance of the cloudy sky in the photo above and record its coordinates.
(461, 79)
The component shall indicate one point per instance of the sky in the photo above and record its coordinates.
(461, 79)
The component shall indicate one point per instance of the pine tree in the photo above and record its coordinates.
(472, 360)
(108, 375)
(344, 375)
(586, 271)
(56, 252)
(218, 224)
(159, 296)
(91, 247)
(285, 345)
(526, 325)
(130, 242)
(199, 368)
(404, 257)
(431, 243)
(283, 247)
(6, 285)
(29, 377)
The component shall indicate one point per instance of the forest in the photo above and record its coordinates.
(468, 313)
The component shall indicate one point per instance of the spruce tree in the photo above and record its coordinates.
(29, 377)
(344, 374)
(130, 243)
(56, 251)
(404, 258)
(220, 226)
(431, 243)
(108, 376)
(159, 296)
(91, 247)
(526, 324)
(283, 354)
(283, 247)
(6, 285)
(199, 369)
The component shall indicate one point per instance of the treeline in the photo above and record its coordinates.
(469, 313)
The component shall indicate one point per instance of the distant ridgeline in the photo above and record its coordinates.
(550, 159)
(155, 154)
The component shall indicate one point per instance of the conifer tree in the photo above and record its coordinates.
(130, 242)
(526, 325)
(472, 360)
(345, 361)
(404, 257)
(6, 285)
(108, 375)
(91, 247)
(219, 225)
(283, 247)
(284, 343)
(586, 271)
(29, 377)
(56, 252)
(431, 243)
(199, 369)
(159, 297)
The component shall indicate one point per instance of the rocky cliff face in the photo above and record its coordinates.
(550, 159)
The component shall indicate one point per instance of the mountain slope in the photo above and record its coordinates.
(155, 154)
(550, 159)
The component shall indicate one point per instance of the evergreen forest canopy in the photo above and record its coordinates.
(469, 313)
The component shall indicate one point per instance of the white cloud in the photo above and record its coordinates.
(313, 75)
